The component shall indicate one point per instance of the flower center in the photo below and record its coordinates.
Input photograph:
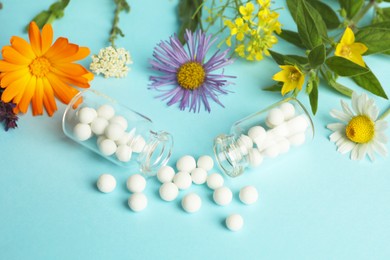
(360, 129)
(191, 75)
(40, 67)
(294, 76)
(346, 51)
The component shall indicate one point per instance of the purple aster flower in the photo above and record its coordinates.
(7, 113)
(186, 75)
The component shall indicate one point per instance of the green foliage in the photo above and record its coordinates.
(313, 96)
(329, 16)
(344, 67)
(352, 7)
(309, 32)
(376, 39)
(317, 56)
(121, 6)
(55, 11)
(190, 16)
(292, 37)
(369, 82)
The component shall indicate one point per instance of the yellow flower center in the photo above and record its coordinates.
(294, 76)
(346, 51)
(191, 75)
(40, 67)
(360, 129)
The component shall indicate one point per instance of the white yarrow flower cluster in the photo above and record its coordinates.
(111, 62)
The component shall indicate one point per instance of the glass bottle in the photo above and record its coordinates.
(265, 134)
(116, 132)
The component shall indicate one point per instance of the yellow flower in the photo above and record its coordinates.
(292, 77)
(349, 49)
(246, 11)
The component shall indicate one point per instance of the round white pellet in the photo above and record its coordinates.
(99, 125)
(165, 174)
(214, 181)
(123, 153)
(124, 139)
(168, 191)
(267, 123)
(186, 163)
(107, 147)
(82, 131)
(120, 120)
(114, 131)
(223, 196)
(288, 110)
(275, 116)
(248, 195)
(191, 202)
(106, 183)
(100, 139)
(205, 162)
(297, 139)
(246, 141)
(87, 115)
(280, 130)
(271, 151)
(182, 180)
(198, 175)
(255, 158)
(106, 111)
(137, 201)
(234, 222)
(137, 144)
(284, 146)
(257, 134)
(297, 124)
(136, 183)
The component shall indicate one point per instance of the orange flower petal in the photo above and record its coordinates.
(23, 47)
(7, 66)
(37, 99)
(59, 45)
(63, 91)
(48, 97)
(9, 77)
(68, 51)
(47, 37)
(13, 56)
(35, 38)
(89, 76)
(71, 69)
(15, 90)
(27, 95)
(81, 54)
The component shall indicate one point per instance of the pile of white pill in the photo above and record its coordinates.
(111, 131)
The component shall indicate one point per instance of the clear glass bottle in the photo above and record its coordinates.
(265, 134)
(116, 132)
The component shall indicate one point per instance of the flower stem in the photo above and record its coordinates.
(385, 114)
(121, 5)
(361, 13)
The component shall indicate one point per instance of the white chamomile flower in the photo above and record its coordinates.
(111, 62)
(360, 132)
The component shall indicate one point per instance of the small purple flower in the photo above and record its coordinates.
(7, 114)
(186, 76)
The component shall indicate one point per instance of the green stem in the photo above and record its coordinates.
(361, 13)
(385, 114)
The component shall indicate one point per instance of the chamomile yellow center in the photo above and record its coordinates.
(191, 75)
(40, 67)
(360, 129)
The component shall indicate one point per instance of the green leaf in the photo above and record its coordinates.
(344, 67)
(288, 59)
(382, 25)
(42, 18)
(307, 26)
(291, 37)
(377, 40)
(313, 97)
(368, 81)
(274, 88)
(292, 7)
(340, 88)
(352, 7)
(189, 13)
(317, 56)
(328, 15)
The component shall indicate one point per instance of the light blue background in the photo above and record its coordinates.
(314, 202)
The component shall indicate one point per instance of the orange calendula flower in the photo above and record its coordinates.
(349, 49)
(291, 77)
(37, 72)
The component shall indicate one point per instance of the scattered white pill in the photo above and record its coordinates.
(255, 158)
(191, 202)
(136, 183)
(137, 201)
(82, 131)
(257, 134)
(137, 144)
(106, 183)
(283, 145)
(168, 191)
(120, 120)
(288, 110)
(297, 139)
(165, 174)
(123, 153)
(125, 138)
(107, 147)
(106, 111)
(205, 162)
(223, 196)
(297, 124)
(114, 131)
(214, 181)
(98, 125)
(182, 180)
(198, 175)
(275, 116)
(248, 195)
(234, 222)
(186, 163)
(86, 115)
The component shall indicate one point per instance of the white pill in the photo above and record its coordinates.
(99, 125)
(223, 196)
(100, 139)
(82, 131)
(165, 174)
(248, 195)
(87, 115)
(214, 181)
(271, 151)
(107, 147)
(280, 130)
(114, 131)
(234, 222)
(123, 153)
(288, 110)
(186, 163)
(125, 138)
(255, 158)
(275, 116)
(106, 183)
(191, 202)
(182, 180)
(137, 201)
(136, 183)
(106, 111)
(267, 123)
(297, 139)
(284, 146)
(257, 134)
(168, 191)
(205, 162)
(138, 144)
(120, 120)
(198, 175)
(297, 124)
(270, 140)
